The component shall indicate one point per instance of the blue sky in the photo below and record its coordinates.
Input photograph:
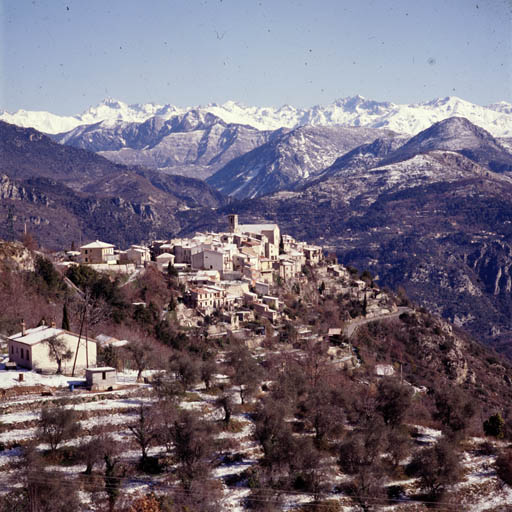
(64, 56)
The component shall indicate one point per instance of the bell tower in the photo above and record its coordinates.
(233, 222)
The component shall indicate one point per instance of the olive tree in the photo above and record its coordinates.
(57, 424)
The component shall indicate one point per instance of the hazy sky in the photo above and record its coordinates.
(63, 56)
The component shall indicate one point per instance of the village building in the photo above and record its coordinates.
(269, 234)
(261, 288)
(287, 269)
(212, 259)
(219, 269)
(103, 340)
(137, 254)
(100, 379)
(265, 311)
(163, 261)
(31, 349)
(201, 278)
(97, 253)
(207, 298)
(313, 254)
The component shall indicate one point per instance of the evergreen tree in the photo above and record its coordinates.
(495, 426)
(65, 318)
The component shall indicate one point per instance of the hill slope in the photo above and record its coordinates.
(45, 185)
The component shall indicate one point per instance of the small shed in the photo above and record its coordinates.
(100, 379)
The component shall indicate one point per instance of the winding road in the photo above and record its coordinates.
(351, 327)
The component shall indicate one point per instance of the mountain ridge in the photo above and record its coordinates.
(350, 111)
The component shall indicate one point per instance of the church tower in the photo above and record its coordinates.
(233, 223)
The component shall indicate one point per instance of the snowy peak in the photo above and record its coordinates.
(360, 104)
(351, 111)
(460, 135)
(452, 129)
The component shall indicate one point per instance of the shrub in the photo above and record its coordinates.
(503, 466)
(495, 426)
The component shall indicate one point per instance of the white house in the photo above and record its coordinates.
(30, 348)
(97, 252)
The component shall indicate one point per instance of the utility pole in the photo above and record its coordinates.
(84, 313)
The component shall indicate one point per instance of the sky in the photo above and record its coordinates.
(64, 56)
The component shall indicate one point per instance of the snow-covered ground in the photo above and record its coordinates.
(11, 379)
(479, 490)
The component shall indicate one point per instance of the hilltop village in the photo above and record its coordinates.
(243, 283)
(235, 277)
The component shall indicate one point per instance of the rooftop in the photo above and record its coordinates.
(43, 332)
(256, 228)
(101, 369)
(96, 245)
(36, 334)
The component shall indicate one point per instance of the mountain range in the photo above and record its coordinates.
(350, 111)
(195, 144)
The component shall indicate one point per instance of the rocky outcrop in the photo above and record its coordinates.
(492, 262)
(11, 190)
(15, 256)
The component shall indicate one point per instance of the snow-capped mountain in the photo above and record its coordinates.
(289, 158)
(460, 135)
(352, 111)
(194, 144)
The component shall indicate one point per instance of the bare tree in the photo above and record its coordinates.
(359, 456)
(393, 401)
(145, 430)
(112, 478)
(94, 450)
(59, 351)
(185, 368)
(43, 490)
(322, 411)
(503, 466)
(208, 370)
(193, 447)
(436, 467)
(226, 403)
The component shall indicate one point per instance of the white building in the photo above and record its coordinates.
(138, 254)
(30, 349)
(97, 252)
